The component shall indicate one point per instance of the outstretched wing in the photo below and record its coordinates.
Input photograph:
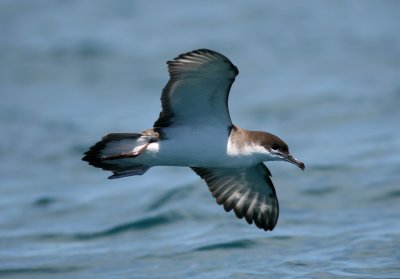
(198, 89)
(248, 191)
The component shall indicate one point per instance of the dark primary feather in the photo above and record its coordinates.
(248, 191)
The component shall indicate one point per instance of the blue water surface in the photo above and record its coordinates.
(323, 75)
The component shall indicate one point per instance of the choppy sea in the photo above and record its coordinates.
(323, 75)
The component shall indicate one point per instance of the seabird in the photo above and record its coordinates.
(194, 129)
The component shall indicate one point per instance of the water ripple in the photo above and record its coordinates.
(39, 270)
(236, 244)
(142, 224)
(392, 194)
(171, 196)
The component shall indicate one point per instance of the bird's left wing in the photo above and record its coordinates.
(248, 191)
(198, 90)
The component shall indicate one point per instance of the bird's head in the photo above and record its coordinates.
(277, 150)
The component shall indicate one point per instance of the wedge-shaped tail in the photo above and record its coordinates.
(113, 152)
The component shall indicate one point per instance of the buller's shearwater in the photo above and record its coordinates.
(194, 130)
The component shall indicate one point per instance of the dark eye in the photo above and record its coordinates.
(274, 147)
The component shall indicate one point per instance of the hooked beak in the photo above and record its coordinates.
(288, 157)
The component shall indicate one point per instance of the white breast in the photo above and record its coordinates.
(201, 147)
(246, 154)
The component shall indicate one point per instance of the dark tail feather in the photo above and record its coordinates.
(139, 170)
(110, 146)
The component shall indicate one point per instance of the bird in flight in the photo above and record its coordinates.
(194, 129)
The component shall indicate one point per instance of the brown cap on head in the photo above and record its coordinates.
(275, 144)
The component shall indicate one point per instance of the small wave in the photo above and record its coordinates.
(44, 201)
(142, 224)
(393, 194)
(320, 191)
(38, 270)
(236, 244)
(171, 196)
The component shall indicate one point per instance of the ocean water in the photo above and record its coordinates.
(323, 75)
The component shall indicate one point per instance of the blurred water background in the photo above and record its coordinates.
(323, 75)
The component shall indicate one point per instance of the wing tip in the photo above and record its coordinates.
(263, 215)
(201, 55)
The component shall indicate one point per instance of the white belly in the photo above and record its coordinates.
(194, 148)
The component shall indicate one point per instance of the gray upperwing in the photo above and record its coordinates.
(198, 90)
